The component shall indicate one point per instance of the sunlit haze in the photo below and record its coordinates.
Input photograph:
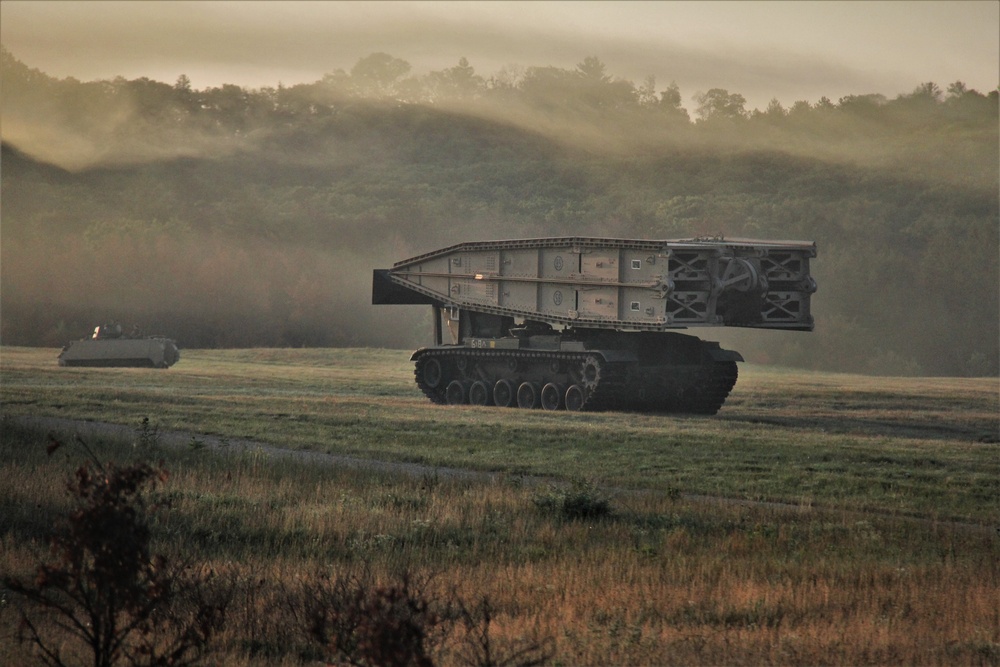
(762, 50)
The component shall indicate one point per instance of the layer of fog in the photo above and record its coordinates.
(788, 51)
(186, 282)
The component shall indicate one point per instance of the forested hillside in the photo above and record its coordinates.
(235, 217)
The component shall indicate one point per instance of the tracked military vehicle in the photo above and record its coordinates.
(590, 323)
(108, 346)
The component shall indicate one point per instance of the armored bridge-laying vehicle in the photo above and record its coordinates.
(589, 323)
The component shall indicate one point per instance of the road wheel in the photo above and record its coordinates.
(455, 393)
(528, 395)
(503, 393)
(480, 394)
(552, 396)
(575, 398)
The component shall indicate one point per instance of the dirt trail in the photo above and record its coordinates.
(93, 429)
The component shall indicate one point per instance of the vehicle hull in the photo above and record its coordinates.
(643, 372)
(153, 352)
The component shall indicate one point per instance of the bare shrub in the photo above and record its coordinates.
(105, 589)
(362, 623)
(355, 621)
(481, 649)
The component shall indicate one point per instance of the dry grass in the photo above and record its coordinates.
(657, 581)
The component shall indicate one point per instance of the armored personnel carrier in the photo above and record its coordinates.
(589, 323)
(108, 346)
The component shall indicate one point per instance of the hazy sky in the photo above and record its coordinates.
(788, 50)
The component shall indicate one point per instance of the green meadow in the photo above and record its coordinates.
(915, 446)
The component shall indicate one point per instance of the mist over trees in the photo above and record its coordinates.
(253, 217)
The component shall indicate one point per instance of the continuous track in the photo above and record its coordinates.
(557, 380)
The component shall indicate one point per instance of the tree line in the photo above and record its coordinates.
(527, 96)
(235, 217)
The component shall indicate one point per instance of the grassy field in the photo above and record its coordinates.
(925, 447)
(880, 548)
